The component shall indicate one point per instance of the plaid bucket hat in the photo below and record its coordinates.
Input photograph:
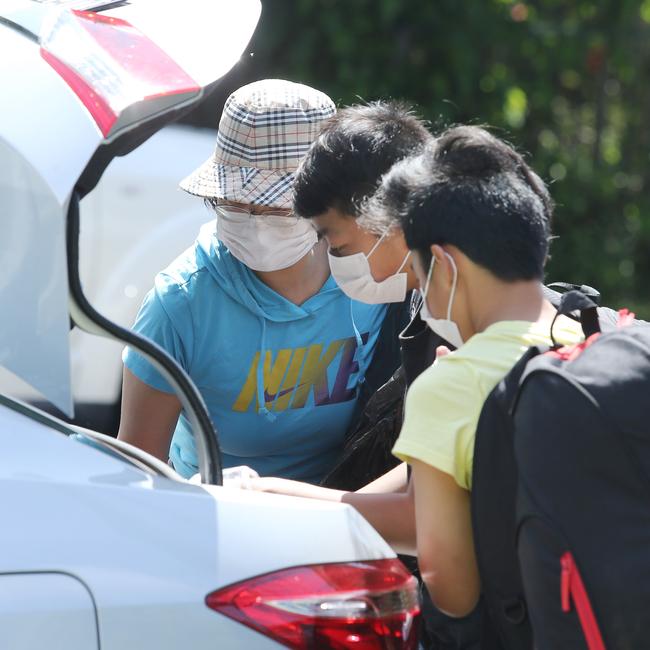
(265, 129)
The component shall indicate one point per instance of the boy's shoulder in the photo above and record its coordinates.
(447, 379)
(486, 357)
(502, 341)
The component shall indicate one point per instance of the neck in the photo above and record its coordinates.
(302, 280)
(411, 278)
(523, 301)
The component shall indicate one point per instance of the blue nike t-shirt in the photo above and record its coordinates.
(280, 380)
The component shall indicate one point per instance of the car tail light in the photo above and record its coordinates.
(362, 605)
(119, 74)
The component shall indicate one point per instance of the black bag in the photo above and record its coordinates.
(367, 453)
(418, 344)
(493, 495)
(582, 448)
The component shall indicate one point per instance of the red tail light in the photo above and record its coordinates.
(119, 74)
(361, 605)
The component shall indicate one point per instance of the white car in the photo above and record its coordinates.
(132, 225)
(102, 545)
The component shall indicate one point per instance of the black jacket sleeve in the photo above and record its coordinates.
(367, 453)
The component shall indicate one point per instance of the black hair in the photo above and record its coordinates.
(470, 189)
(211, 203)
(353, 150)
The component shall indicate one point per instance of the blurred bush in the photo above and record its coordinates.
(566, 82)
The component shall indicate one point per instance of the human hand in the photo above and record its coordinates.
(441, 351)
(236, 477)
(239, 477)
(294, 488)
(277, 485)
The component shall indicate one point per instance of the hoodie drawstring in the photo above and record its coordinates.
(354, 326)
(261, 398)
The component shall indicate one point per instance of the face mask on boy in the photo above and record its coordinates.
(443, 327)
(352, 274)
(265, 242)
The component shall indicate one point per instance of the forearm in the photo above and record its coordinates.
(445, 541)
(391, 514)
(295, 488)
(396, 480)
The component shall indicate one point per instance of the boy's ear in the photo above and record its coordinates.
(443, 264)
(438, 252)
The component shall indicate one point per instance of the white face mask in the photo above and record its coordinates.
(265, 242)
(443, 327)
(352, 273)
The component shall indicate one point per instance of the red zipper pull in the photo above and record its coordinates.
(572, 588)
(566, 562)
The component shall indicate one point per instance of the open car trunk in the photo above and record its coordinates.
(114, 74)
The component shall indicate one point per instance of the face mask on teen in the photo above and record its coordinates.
(264, 242)
(352, 274)
(443, 327)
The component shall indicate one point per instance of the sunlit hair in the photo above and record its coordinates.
(353, 150)
(470, 189)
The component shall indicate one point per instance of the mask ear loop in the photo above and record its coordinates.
(428, 280)
(374, 248)
(399, 270)
(453, 286)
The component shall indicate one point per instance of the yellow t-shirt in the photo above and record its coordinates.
(444, 403)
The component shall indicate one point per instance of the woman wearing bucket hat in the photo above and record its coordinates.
(251, 311)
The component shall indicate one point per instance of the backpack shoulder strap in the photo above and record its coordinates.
(607, 317)
(559, 288)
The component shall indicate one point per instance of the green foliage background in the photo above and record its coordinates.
(566, 81)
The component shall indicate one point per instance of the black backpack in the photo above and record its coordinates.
(582, 448)
(507, 506)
